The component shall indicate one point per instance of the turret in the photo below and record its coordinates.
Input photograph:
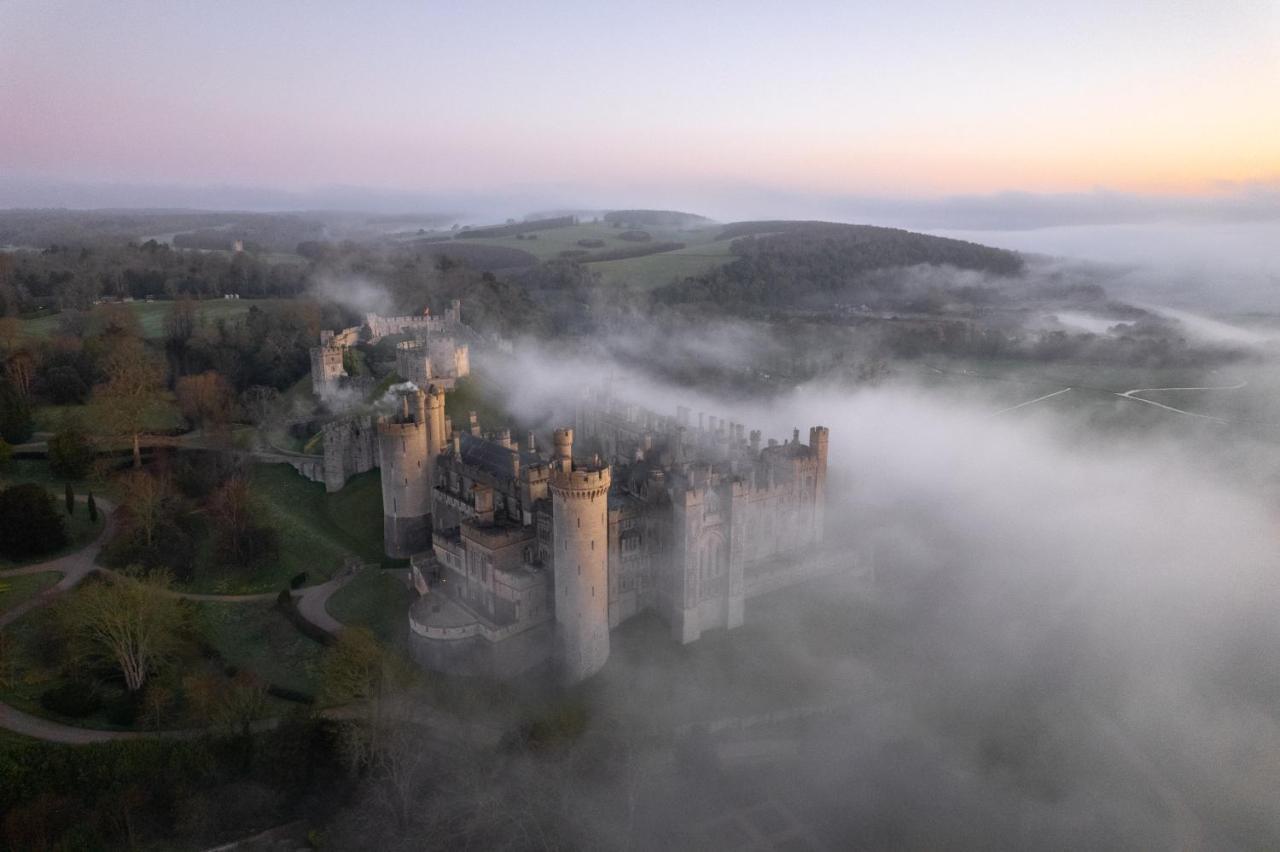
(406, 472)
(580, 541)
(562, 457)
(818, 436)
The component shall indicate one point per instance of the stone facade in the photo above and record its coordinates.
(641, 513)
(350, 447)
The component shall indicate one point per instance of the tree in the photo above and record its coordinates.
(241, 539)
(260, 403)
(132, 390)
(20, 368)
(29, 522)
(180, 324)
(93, 509)
(15, 413)
(131, 621)
(145, 499)
(70, 452)
(70, 497)
(206, 399)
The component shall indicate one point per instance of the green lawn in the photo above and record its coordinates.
(151, 315)
(256, 638)
(550, 243)
(19, 590)
(80, 532)
(377, 600)
(317, 531)
(656, 270)
(163, 417)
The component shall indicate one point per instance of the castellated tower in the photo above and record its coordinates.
(580, 536)
(403, 455)
(818, 436)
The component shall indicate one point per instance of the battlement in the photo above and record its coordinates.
(587, 482)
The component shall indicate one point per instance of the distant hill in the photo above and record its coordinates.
(783, 262)
(654, 218)
(517, 228)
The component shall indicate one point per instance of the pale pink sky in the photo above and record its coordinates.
(911, 98)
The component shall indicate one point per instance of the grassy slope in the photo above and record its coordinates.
(151, 315)
(317, 530)
(701, 252)
(255, 638)
(377, 600)
(17, 590)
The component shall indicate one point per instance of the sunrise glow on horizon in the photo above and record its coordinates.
(921, 99)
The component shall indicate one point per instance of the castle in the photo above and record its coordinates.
(523, 558)
(435, 353)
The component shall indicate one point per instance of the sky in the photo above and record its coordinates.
(640, 102)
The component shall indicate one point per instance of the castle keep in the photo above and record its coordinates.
(535, 556)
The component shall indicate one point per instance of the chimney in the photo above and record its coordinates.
(457, 445)
(533, 443)
(504, 438)
(475, 424)
(515, 463)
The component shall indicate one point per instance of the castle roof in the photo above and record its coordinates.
(493, 458)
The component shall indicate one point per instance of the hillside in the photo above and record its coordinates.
(777, 263)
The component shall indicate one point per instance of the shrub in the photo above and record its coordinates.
(70, 453)
(123, 711)
(65, 386)
(6, 453)
(15, 414)
(298, 581)
(73, 699)
(29, 522)
(69, 497)
(590, 244)
(93, 509)
(636, 236)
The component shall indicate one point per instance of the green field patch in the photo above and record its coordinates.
(254, 637)
(377, 600)
(15, 591)
(151, 315)
(656, 270)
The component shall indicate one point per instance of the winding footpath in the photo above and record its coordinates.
(1133, 395)
(74, 567)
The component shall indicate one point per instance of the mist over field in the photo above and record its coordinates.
(1064, 644)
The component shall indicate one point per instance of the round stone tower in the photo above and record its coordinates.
(580, 537)
(406, 477)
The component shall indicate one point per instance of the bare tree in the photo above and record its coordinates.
(145, 498)
(131, 621)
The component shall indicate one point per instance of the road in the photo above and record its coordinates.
(1133, 395)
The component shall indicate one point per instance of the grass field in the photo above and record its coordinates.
(254, 637)
(80, 531)
(377, 600)
(151, 315)
(655, 270)
(701, 252)
(317, 531)
(18, 590)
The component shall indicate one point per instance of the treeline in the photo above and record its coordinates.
(62, 277)
(652, 218)
(514, 228)
(816, 262)
(41, 228)
(151, 793)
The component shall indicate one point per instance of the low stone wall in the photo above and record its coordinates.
(467, 652)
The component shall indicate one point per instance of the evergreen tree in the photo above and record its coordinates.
(93, 509)
(71, 499)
